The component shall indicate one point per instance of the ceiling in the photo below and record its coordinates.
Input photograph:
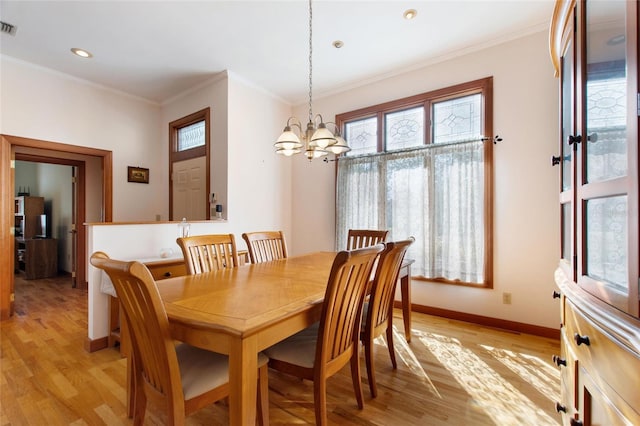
(158, 49)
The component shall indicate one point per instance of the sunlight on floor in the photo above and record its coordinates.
(490, 392)
(531, 369)
(405, 354)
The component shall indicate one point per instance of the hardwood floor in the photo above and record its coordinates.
(452, 373)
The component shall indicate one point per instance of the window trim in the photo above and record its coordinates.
(484, 86)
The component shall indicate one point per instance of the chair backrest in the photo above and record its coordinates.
(339, 331)
(358, 238)
(383, 286)
(265, 246)
(153, 348)
(205, 253)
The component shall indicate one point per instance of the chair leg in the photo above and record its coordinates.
(368, 356)
(320, 400)
(140, 407)
(355, 376)
(392, 352)
(263, 396)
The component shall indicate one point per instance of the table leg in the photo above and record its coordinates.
(243, 380)
(405, 291)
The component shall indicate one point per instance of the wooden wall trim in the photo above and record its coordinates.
(96, 345)
(7, 240)
(506, 325)
(7, 174)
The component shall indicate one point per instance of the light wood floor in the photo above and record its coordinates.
(452, 373)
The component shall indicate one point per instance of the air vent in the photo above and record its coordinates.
(8, 28)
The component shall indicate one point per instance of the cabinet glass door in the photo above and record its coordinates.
(603, 172)
(606, 91)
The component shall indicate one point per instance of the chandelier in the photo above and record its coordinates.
(316, 140)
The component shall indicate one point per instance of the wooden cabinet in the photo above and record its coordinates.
(27, 216)
(36, 258)
(594, 47)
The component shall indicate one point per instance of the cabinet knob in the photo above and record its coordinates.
(581, 339)
(555, 160)
(559, 361)
(575, 422)
(560, 407)
(556, 295)
(571, 139)
(167, 274)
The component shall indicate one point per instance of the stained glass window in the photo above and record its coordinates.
(362, 136)
(457, 119)
(191, 136)
(404, 129)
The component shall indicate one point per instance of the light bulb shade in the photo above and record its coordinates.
(288, 152)
(312, 153)
(340, 147)
(288, 140)
(323, 137)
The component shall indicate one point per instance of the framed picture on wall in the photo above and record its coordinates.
(137, 174)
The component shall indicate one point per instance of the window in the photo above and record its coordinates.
(191, 136)
(421, 167)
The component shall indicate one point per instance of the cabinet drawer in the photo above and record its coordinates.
(161, 271)
(615, 365)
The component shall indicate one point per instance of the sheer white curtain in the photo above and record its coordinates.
(435, 194)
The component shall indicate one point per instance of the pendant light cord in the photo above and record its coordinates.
(310, 60)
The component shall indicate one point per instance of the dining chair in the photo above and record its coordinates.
(178, 378)
(205, 253)
(320, 351)
(265, 246)
(378, 309)
(358, 238)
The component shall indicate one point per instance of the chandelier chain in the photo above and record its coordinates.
(310, 60)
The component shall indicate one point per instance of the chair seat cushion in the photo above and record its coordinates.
(299, 349)
(202, 370)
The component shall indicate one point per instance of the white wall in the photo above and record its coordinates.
(259, 180)
(526, 212)
(54, 107)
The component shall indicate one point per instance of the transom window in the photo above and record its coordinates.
(421, 166)
(191, 136)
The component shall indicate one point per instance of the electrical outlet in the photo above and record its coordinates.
(506, 298)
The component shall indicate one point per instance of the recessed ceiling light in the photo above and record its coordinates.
(338, 44)
(81, 52)
(410, 14)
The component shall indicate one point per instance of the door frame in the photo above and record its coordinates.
(56, 150)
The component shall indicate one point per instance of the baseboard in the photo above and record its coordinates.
(96, 345)
(514, 326)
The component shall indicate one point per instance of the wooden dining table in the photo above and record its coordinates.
(241, 311)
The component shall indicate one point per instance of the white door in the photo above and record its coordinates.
(190, 189)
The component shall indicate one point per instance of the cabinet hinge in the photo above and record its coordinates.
(13, 164)
(73, 179)
(73, 274)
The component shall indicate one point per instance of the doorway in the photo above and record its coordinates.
(61, 182)
(12, 147)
